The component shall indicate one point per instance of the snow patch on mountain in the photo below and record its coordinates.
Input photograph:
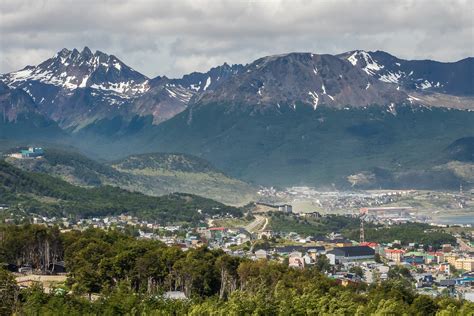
(70, 70)
(124, 89)
(425, 85)
(315, 99)
(371, 66)
(353, 59)
(391, 77)
(208, 83)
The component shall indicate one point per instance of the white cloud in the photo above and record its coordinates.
(176, 37)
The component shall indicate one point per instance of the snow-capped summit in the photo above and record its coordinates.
(78, 88)
(422, 75)
(75, 87)
(289, 79)
(365, 61)
(71, 69)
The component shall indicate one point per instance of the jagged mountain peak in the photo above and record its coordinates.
(289, 79)
(210, 80)
(426, 76)
(72, 69)
(78, 87)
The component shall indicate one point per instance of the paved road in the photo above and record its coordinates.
(259, 224)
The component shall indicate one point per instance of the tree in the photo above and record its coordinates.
(357, 271)
(122, 300)
(83, 266)
(423, 305)
(399, 272)
(227, 265)
(196, 272)
(323, 264)
(8, 293)
(391, 306)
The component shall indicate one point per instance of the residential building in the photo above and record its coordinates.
(32, 152)
(296, 260)
(446, 248)
(395, 255)
(465, 264)
(341, 255)
(285, 208)
(451, 258)
(174, 295)
(414, 257)
(261, 254)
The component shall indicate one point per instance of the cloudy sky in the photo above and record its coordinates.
(176, 37)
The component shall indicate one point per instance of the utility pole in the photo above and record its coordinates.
(362, 233)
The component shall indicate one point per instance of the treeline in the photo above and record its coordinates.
(59, 198)
(128, 276)
(321, 226)
(418, 233)
(406, 233)
(37, 246)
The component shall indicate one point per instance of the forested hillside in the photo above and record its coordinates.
(152, 174)
(128, 276)
(43, 194)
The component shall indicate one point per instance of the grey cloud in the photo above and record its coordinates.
(176, 37)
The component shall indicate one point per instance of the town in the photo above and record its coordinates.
(444, 270)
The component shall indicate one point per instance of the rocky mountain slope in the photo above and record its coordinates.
(200, 82)
(79, 88)
(15, 102)
(423, 75)
(286, 80)
(20, 118)
(290, 119)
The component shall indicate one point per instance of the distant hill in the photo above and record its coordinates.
(462, 150)
(161, 173)
(45, 195)
(153, 174)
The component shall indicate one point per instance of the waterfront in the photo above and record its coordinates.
(460, 219)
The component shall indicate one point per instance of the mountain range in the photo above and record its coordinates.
(290, 119)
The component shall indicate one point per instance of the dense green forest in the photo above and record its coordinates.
(127, 276)
(420, 233)
(282, 222)
(42, 194)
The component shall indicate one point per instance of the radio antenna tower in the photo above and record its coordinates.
(362, 233)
